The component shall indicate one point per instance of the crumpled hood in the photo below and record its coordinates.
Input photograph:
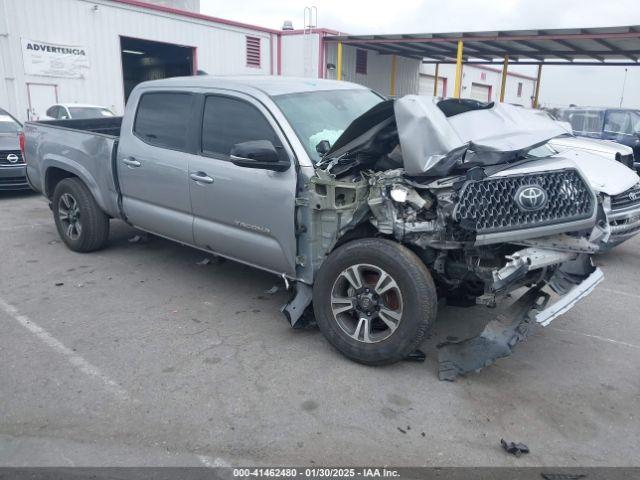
(432, 142)
(427, 135)
(603, 175)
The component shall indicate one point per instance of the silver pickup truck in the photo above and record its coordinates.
(370, 210)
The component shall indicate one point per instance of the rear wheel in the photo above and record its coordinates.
(81, 223)
(374, 300)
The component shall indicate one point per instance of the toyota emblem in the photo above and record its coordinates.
(634, 195)
(531, 197)
(13, 158)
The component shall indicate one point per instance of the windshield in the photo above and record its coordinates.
(8, 124)
(324, 115)
(90, 112)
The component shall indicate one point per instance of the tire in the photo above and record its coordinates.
(73, 204)
(408, 301)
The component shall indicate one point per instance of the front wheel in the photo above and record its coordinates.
(81, 223)
(374, 300)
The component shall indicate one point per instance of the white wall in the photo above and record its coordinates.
(220, 47)
(477, 74)
(190, 5)
(300, 55)
(378, 75)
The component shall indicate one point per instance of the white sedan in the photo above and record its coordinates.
(62, 111)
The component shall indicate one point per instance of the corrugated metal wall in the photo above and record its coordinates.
(220, 47)
(378, 75)
(300, 55)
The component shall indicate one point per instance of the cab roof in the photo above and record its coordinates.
(268, 84)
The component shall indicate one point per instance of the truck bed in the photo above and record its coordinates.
(106, 126)
(85, 148)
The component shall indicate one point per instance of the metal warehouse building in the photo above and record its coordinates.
(77, 51)
(96, 51)
(479, 82)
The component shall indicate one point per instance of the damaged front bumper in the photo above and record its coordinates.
(514, 325)
(621, 218)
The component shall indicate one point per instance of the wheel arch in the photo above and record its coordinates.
(56, 172)
(53, 176)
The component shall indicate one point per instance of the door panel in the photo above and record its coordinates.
(41, 97)
(245, 213)
(153, 165)
(155, 194)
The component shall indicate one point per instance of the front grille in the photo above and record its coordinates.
(4, 157)
(629, 198)
(489, 205)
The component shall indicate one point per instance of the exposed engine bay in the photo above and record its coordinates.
(485, 218)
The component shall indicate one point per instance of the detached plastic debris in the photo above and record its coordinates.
(563, 476)
(272, 290)
(140, 238)
(496, 340)
(513, 448)
(416, 356)
(213, 259)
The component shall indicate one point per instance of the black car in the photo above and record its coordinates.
(12, 165)
(621, 125)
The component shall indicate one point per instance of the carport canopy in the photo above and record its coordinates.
(612, 46)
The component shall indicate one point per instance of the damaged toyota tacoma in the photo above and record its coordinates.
(371, 210)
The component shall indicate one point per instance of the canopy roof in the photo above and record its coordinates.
(566, 46)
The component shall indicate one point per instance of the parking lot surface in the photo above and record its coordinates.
(139, 355)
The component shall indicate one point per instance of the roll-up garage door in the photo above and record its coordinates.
(426, 85)
(480, 92)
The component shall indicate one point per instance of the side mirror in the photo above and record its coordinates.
(258, 154)
(323, 147)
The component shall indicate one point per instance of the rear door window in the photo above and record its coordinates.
(227, 121)
(163, 119)
(586, 121)
(52, 112)
(618, 122)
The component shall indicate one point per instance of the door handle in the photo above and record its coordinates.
(201, 177)
(131, 162)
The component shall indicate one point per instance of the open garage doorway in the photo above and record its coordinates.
(144, 60)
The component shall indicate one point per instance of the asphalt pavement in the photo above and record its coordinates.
(142, 354)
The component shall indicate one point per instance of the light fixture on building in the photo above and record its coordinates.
(287, 25)
(331, 66)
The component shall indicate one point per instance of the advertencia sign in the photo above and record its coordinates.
(54, 60)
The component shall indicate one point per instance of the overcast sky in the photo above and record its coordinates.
(560, 85)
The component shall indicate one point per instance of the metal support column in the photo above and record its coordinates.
(536, 95)
(394, 69)
(503, 85)
(435, 80)
(339, 62)
(458, 85)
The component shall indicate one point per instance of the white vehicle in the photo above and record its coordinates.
(66, 111)
(604, 148)
(619, 194)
